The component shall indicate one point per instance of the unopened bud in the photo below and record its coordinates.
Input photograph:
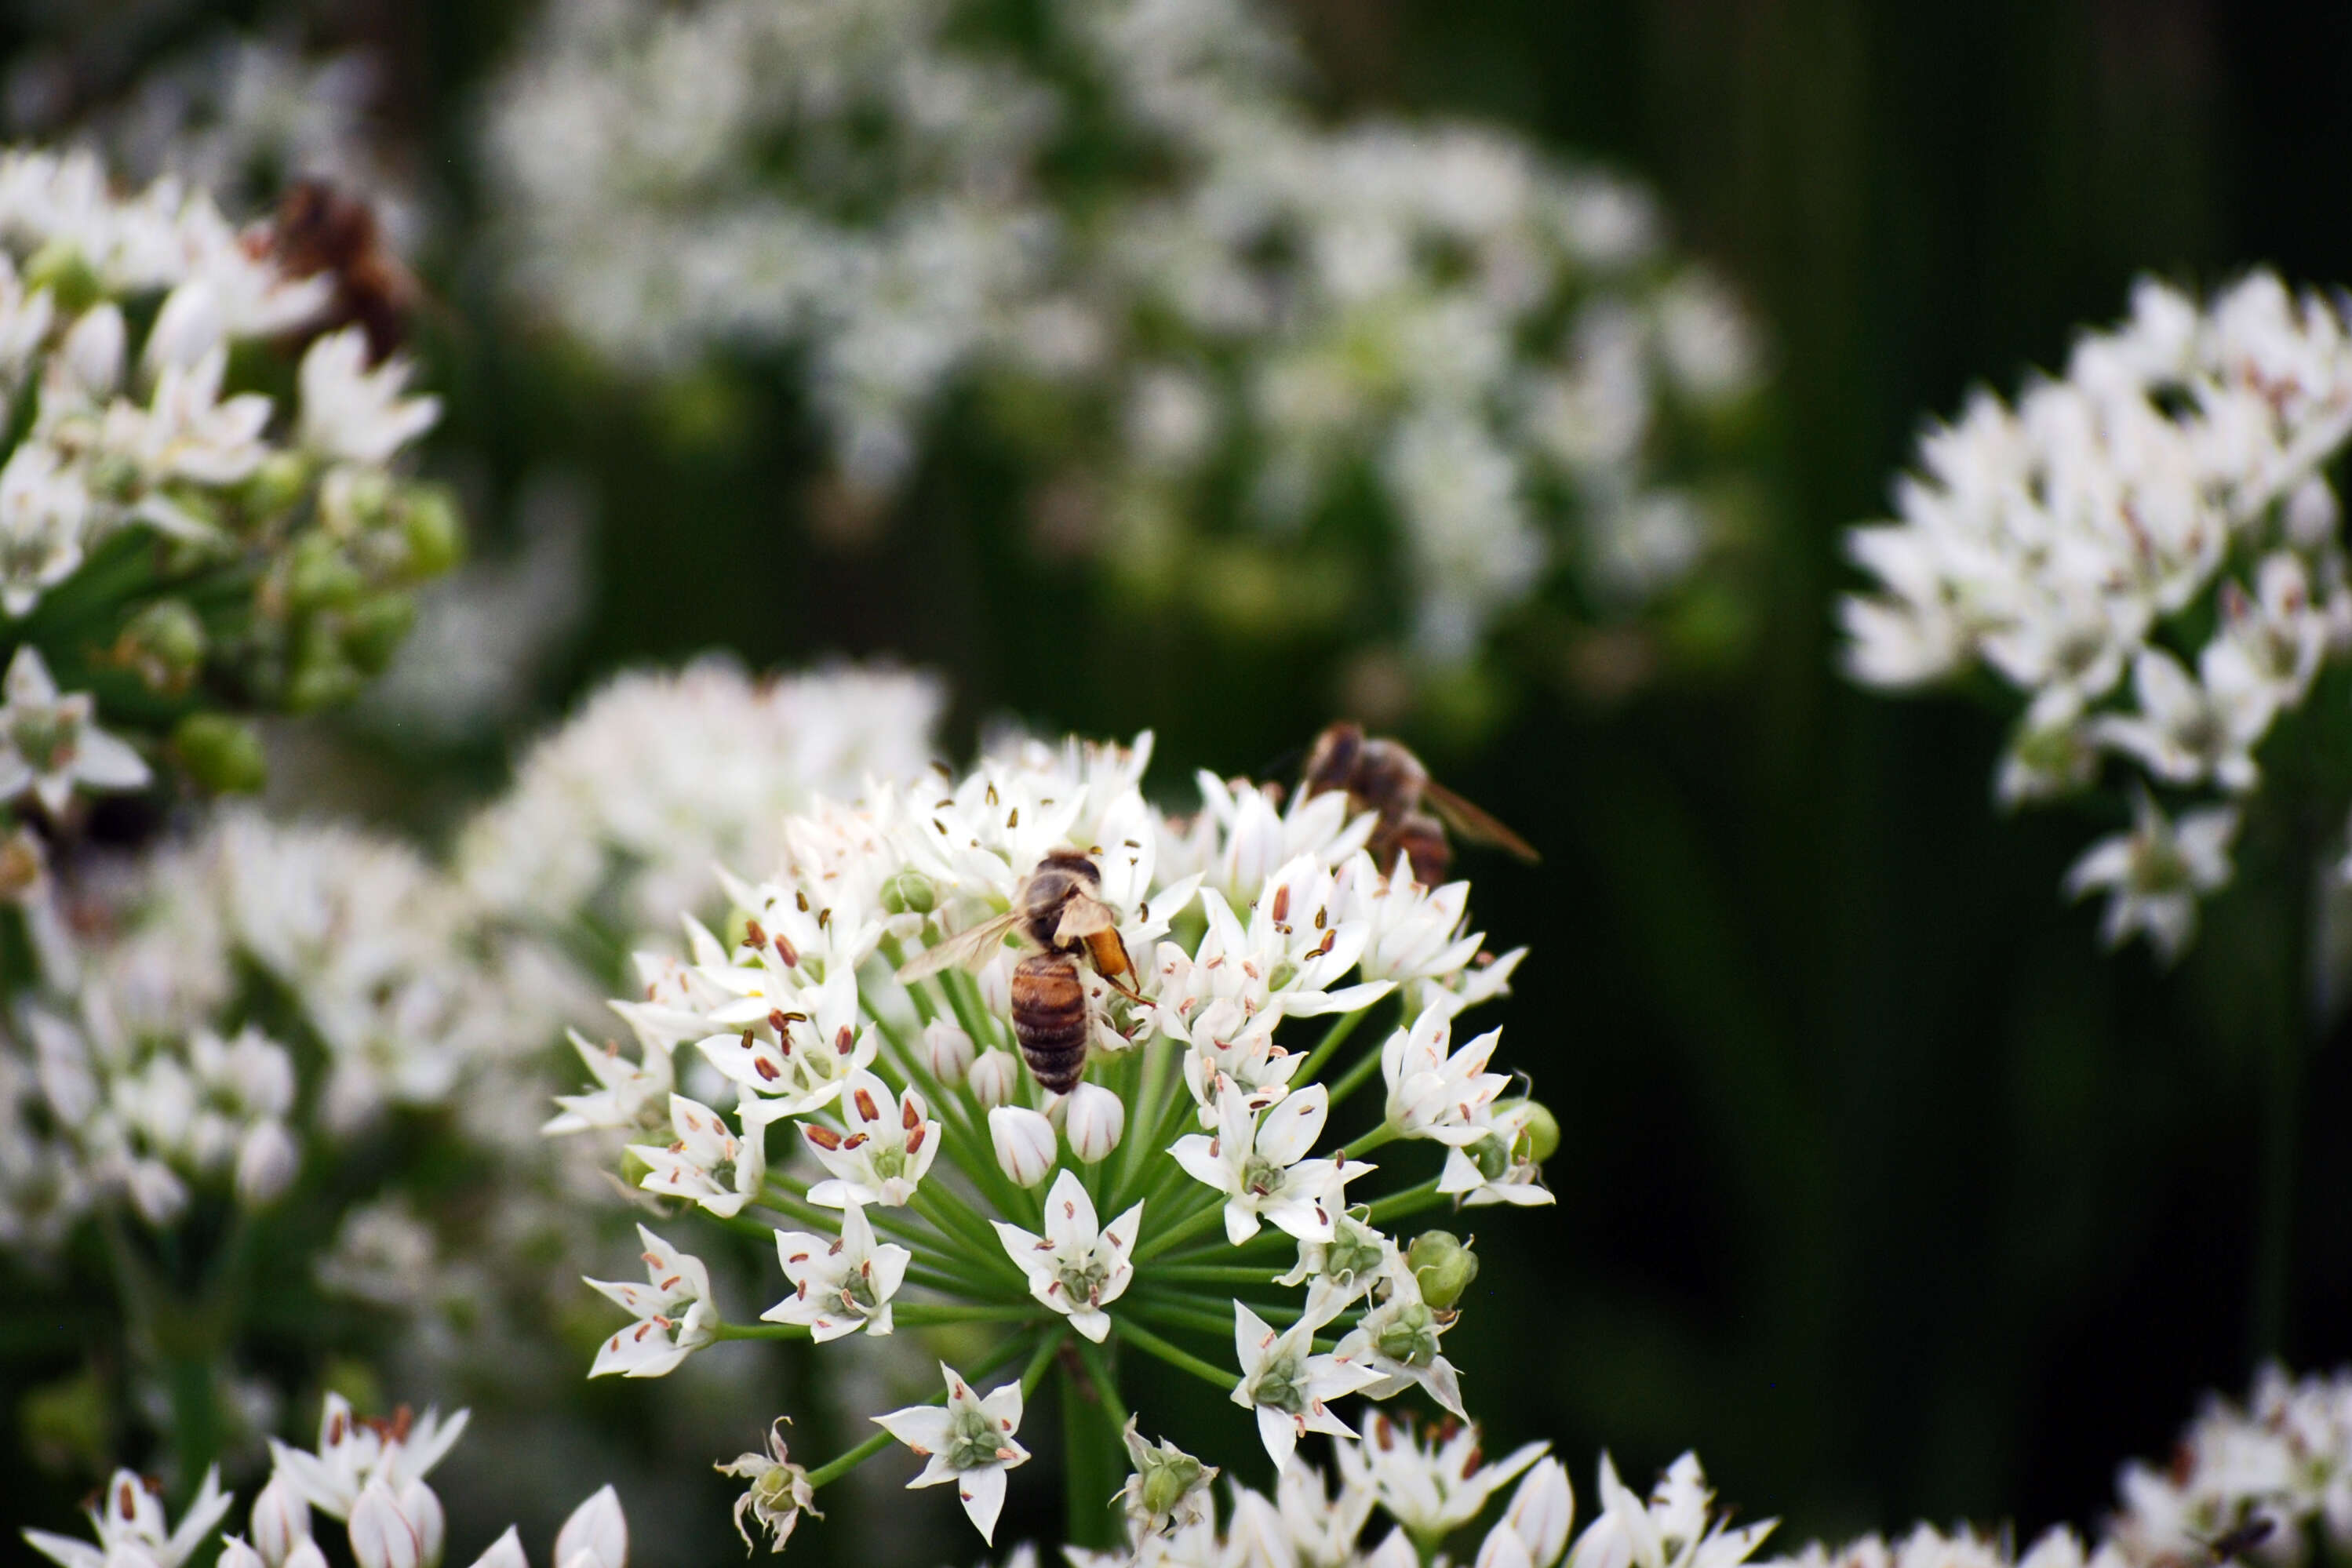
(996, 987)
(1025, 1144)
(281, 1518)
(277, 482)
(306, 1554)
(186, 329)
(374, 628)
(1093, 1119)
(382, 1535)
(222, 754)
(1442, 1266)
(322, 676)
(60, 268)
(909, 893)
(1539, 1129)
(266, 1160)
(422, 1511)
(2312, 514)
(506, 1551)
(596, 1532)
(318, 573)
(994, 1078)
(236, 1553)
(435, 533)
(164, 643)
(948, 1050)
(1542, 1511)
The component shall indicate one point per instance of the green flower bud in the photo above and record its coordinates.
(634, 1169)
(1443, 1265)
(373, 629)
(318, 573)
(221, 754)
(165, 644)
(60, 268)
(275, 486)
(910, 892)
(1540, 1130)
(322, 676)
(434, 532)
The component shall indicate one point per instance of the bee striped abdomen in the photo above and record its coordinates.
(1049, 1019)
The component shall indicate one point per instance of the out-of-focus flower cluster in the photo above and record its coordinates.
(2146, 551)
(366, 1475)
(1399, 384)
(304, 1033)
(198, 512)
(2268, 1481)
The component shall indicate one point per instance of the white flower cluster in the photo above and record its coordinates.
(2281, 1461)
(1426, 1488)
(366, 1475)
(2148, 553)
(619, 815)
(1220, 297)
(866, 1014)
(2257, 1483)
(138, 1068)
(198, 485)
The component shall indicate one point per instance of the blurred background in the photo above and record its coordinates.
(1880, 1186)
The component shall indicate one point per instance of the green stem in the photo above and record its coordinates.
(1214, 1273)
(1091, 1457)
(924, 1313)
(1181, 1316)
(1151, 1343)
(1333, 1038)
(1353, 1078)
(1098, 1373)
(760, 1331)
(1183, 1230)
(1384, 1133)
(1411, 1200)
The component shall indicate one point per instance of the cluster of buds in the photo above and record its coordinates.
(199, 511)
(367, 1475)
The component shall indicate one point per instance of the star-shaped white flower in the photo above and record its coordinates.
(1430, 1488)
(882, 1156)
(1286, 1383)
(2155, 873)
(706, 1162)
(969, 1442)
(352, 1452)
(1262, 1169)
(628, 1093)
(674, 1312)
(1672, 1529)
(1533, 1530)
(841, 1285)
(1077, 1266)
(355, 415)
(48, 743)
(1499, 1166)
(132, 1530)
(1434, 1091)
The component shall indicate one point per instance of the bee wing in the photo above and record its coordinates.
(1473, 824)
(971, 948)
(1083, 916)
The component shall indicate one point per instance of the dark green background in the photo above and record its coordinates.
(1880, 1186)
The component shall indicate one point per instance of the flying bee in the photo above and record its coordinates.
(320, 228)
(1415, 811)
(1058, 910)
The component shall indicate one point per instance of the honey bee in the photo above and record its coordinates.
(1059, 908)
(1414, 810)
(322, 229)
(2237, 1543)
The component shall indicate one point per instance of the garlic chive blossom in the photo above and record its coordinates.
(914, 1173)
